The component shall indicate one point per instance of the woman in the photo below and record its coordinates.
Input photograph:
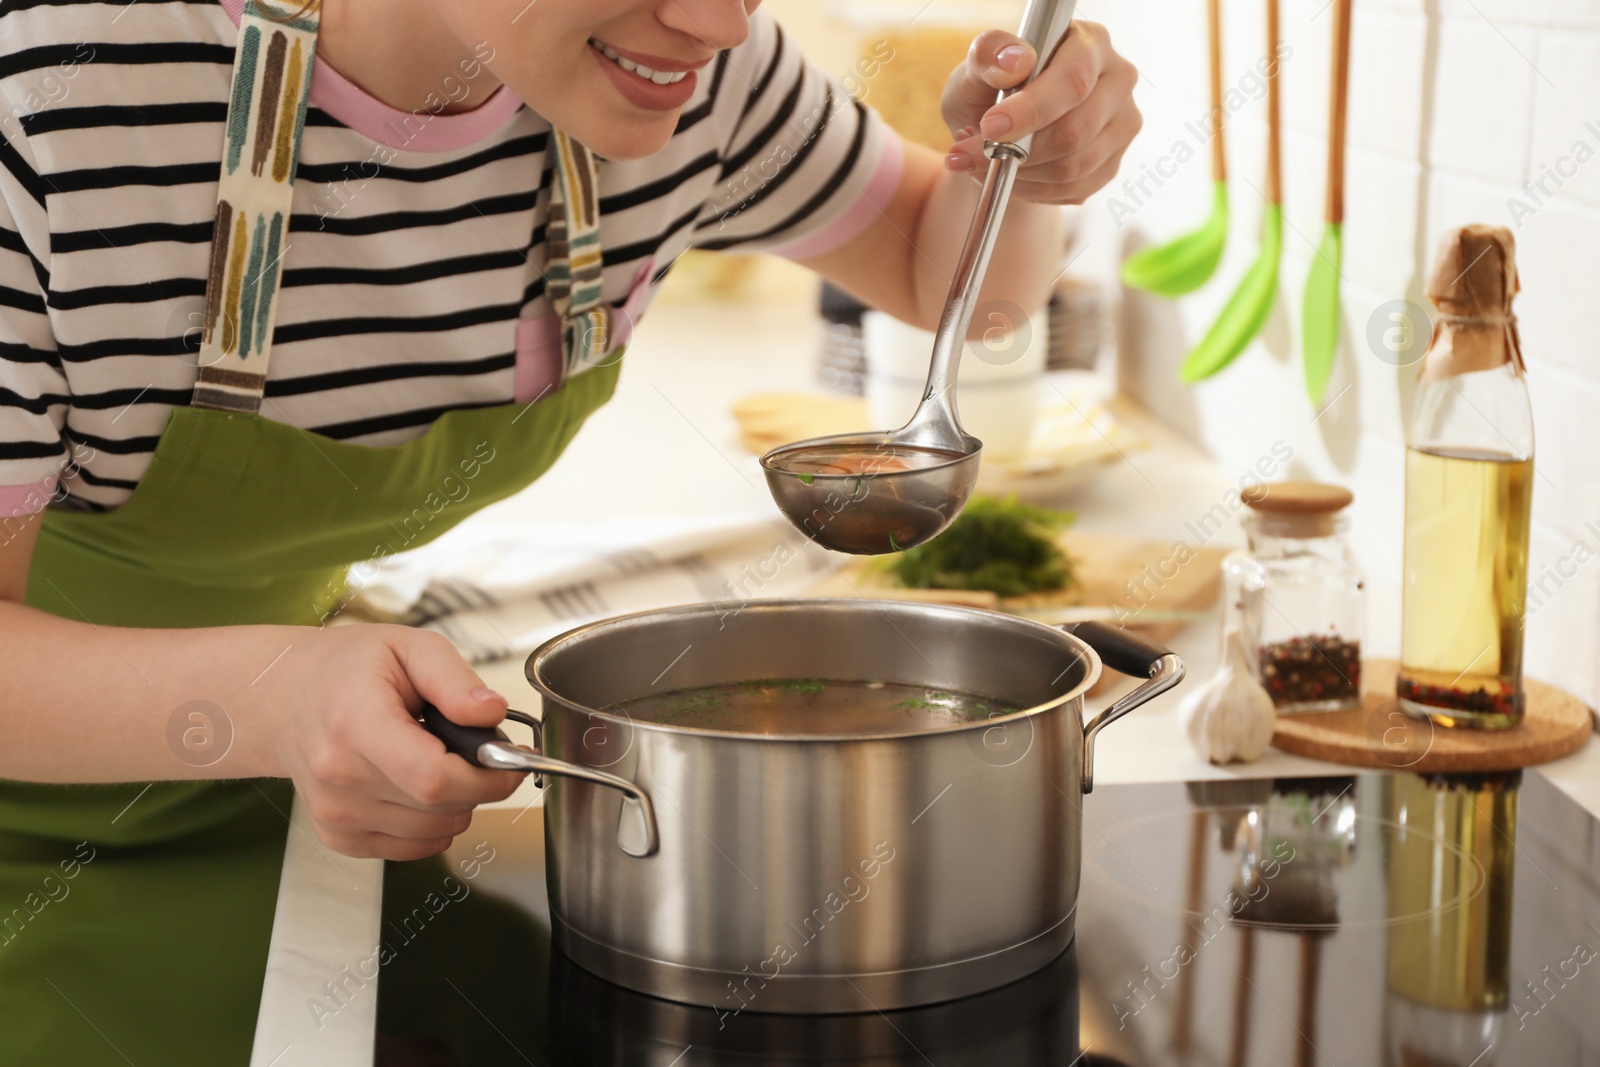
(399, 205)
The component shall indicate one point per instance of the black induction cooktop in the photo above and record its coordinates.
(1383, 919)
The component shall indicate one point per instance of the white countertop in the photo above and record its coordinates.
(666, 446)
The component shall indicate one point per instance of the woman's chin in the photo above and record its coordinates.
(626, 133)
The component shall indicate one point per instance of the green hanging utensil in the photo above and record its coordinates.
(1247, 310)
(1319, 323)
(1184, 264)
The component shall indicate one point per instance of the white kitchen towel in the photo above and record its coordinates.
(498, 589)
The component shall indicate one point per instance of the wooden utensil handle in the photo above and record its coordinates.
(1243, 996)
(1274, 171)
(1306, 1053)
(1338, 94)
(1219, 164)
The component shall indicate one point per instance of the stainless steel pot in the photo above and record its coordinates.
(805, 873)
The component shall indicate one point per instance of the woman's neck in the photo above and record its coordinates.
(404, 53)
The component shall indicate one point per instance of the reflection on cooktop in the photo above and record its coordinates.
(1404, 920)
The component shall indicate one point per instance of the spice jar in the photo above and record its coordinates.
(1295, 596)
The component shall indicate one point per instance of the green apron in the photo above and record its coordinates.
(135, 918)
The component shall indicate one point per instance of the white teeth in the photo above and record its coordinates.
(659, 77)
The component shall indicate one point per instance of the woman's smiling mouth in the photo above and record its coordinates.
(654, 83)
(659, 77)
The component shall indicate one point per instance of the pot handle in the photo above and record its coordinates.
(484, 746)
(1126, 653)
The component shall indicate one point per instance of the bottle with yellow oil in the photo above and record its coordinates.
(1469, 486)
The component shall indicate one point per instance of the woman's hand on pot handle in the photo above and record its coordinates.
(375, 783)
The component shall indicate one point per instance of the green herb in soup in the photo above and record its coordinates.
(813, 706)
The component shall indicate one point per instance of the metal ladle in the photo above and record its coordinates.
(906, 486)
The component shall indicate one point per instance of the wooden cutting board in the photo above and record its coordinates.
(1115, 572)
(1379, 734)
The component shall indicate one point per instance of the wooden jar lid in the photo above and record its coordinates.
(1296, 509)
(1300, 498)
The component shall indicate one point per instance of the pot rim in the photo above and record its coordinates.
(533, 668)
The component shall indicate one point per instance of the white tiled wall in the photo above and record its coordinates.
(1454, 105)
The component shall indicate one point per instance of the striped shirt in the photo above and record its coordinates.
(412, 282)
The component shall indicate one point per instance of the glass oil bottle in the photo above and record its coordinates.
(1469, 487)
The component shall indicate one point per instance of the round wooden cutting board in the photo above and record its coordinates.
(1379, 734)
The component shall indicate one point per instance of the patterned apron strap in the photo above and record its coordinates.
(573, 267)
(261, 147)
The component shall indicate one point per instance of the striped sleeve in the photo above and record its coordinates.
(33, 389)
(806, 167)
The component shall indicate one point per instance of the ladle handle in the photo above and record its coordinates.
(1044, 24)
(935, 422)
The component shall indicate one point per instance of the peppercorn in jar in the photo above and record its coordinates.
(1295, 596)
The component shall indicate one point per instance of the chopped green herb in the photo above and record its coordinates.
(805, 685)
(806, 479)
(892, 546)
(1002, 546)
(689, 701)
(915, 703)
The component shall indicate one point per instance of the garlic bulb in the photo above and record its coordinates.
(1230, 717)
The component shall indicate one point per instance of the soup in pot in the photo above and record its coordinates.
(812, 706)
